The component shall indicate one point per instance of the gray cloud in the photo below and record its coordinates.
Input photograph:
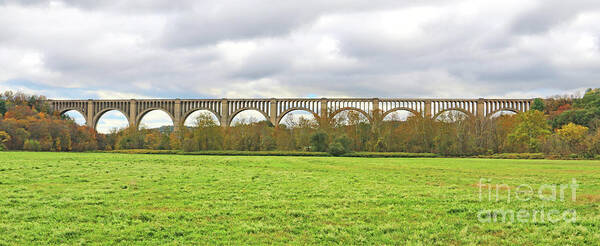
(550, 13)
(281, 49)
(205, 22)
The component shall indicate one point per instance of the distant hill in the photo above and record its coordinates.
(163, 129)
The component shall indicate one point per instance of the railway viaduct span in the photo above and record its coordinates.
(274, 109)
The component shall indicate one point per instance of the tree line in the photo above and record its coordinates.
(27, 123)
(561, 125)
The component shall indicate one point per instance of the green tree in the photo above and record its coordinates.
(32, 145)
(2, 107)
(131, 138)
(586, 111)
(318, 141)
(530, 129)
(591, 99)
(205, 135)
(205, 120)
(538, 104)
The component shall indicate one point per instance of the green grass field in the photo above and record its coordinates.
(91, 198)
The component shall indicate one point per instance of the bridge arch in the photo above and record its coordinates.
(140, 116)
(235, 113)
(467, 113)
(106, 110)
(364, 113)
(78, 111)
(187, 114)
(284, 113)
(491, 114)
(414, 112)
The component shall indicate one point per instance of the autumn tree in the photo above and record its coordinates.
(573, 136)
(530, 129)
(4, 137)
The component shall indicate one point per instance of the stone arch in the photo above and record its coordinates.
(140, 116)
(332, 115)
(64, 110)
(489, 116)
(103, 111)
(467, 113)
(191, 111)
(284, 113)
(78, 110)
(232, 116)
(414, 112)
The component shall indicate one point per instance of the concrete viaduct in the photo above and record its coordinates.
(274, 109)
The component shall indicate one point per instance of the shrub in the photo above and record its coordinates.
(256, 153)
(390, 155)
(336, 149)
(277, 153)
(534, 155)
(145, 151)
(344, 141)
(515, 156)
(32, 145)
(553, 157)
(340, 146)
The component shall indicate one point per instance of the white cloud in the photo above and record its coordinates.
(155, 119)
(111, 120)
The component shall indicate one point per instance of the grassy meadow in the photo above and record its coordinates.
(109, 198)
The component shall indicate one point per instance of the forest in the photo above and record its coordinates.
(561, 125)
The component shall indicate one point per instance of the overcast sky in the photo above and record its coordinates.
(214, 49)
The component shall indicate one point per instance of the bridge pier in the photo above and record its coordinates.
(273, 112)
(177, 121)
(224, 113)
(133, 114)
(89, 117)
(480, 112)
(324, 113)
(427, 109)
(376, 110)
